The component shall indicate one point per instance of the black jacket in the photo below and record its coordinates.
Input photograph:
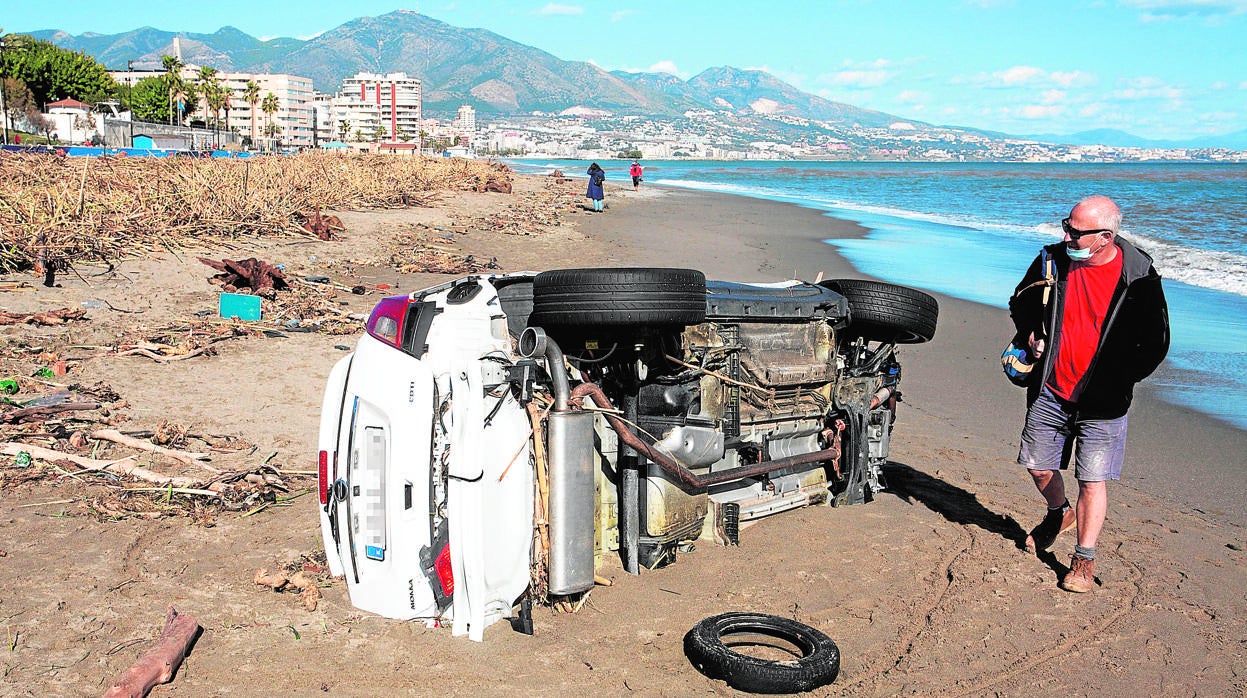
(1133, 342)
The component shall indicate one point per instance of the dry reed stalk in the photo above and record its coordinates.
(56, 211)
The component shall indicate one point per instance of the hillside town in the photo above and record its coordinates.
(211, 110)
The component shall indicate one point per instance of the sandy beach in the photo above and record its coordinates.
(925, 590)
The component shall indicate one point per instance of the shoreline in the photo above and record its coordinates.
(925, 589)
(1174, 452)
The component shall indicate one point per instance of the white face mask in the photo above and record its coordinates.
(1081, 255)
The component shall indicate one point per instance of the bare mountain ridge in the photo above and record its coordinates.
(469, 66)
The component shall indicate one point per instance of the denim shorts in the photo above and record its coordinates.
(1051, 423)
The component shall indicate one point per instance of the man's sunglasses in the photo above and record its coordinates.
(1075, 233)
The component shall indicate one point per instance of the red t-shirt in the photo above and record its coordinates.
(1088, 292)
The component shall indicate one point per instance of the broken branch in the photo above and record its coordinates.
(116, 467)
(180, 456)
(161, 662)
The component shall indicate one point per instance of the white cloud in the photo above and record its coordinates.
(862, 98)
(663, 67)
(859, 79)
(1019, 75)
(1071, 79)
(875, 64)
(1169, 10)
(1037, 111)
(561, 10)
(1052, 97)
(1090, 110)
(1137, 94)
(1028, 76)
(1146, 87)
(620, 14)
(912, 97)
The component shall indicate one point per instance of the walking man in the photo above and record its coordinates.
(1105, 328)
(635, 172)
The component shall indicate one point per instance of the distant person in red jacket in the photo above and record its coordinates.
(635, 171)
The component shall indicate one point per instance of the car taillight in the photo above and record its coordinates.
(386, 321)
(445, 576)
(322, 477)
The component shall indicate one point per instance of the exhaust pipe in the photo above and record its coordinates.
(570, 449)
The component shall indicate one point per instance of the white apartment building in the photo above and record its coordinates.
(294, 106)
(396, 98)
(294, 102)
(346, 118)
(465, 125)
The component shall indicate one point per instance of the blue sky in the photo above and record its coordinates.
(1155, 68)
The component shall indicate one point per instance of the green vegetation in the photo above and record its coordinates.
(52, 73)
(251, 95)
(149, 100)
(270, 105)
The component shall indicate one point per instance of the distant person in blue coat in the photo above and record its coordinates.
(596, 177)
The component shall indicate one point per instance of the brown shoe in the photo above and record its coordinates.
(1054, 524)
(1081, 576)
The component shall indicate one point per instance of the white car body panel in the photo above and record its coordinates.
(383, 433)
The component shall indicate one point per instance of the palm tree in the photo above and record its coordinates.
(226, 104)
(270, 105)
(216, 98)
(344, 127)
(186, 96)
(173, 81)
(251, 94)
(207, 82)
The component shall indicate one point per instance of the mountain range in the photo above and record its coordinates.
(497, 75)
(467, 66)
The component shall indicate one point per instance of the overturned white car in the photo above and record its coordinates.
(497, 437)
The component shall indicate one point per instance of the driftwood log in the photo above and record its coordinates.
(159, 663)
(47, 317)
(117, 467)
(36, 414)
(184, 457)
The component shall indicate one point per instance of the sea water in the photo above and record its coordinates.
(970, 229)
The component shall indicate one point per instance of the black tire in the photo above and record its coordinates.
(818, 665)
(618, 297)
(885, 312)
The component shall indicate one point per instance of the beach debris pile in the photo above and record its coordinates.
(543, 211)
(434, 249)
(310, 307)
(180, 341)
(420, 248)
(70, 435)
(55, 212)
(303, 577)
